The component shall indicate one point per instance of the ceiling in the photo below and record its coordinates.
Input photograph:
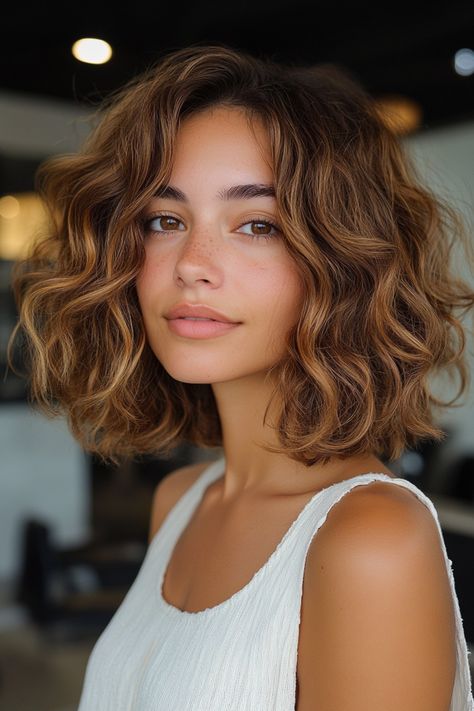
(395, 49)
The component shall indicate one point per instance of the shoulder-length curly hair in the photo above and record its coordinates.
(370, 241)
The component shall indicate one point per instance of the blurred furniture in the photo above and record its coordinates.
(74, 592)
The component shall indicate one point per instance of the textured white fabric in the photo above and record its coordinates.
(239, 655)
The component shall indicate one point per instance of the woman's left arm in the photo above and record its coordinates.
(377, 625)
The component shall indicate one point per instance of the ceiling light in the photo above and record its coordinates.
(464, 62)
(91, 50)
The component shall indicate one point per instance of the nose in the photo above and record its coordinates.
(198, 259)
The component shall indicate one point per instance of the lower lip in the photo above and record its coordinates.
(199, 329)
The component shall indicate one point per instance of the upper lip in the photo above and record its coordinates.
(197, 311)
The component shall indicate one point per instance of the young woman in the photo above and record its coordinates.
(242, 257)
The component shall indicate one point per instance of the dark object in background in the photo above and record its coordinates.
(73, 592)
(460, 548)
(461, 478)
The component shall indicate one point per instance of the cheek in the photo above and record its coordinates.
(148, 282)
(281, 293)
(285, 296)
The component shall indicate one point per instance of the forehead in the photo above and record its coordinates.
(223, 136)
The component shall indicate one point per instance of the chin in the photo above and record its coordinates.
(196, 377)
(187, 374)
(192, 380)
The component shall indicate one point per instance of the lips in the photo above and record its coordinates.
(197, 311)
(193, 329)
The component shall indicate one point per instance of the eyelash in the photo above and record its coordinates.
(261, 220)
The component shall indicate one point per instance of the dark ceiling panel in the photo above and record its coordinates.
(396, 48)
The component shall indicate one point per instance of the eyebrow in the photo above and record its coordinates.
(235, 192)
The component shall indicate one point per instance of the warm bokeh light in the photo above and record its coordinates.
(9, 207)
(91, 50)
(22, 220)
(400, 114)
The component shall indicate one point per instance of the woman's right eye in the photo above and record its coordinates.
(168, 223)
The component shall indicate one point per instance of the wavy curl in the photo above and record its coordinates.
(371, 242)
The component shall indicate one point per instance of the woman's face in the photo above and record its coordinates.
(217, 252)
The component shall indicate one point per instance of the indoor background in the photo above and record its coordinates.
(73, 532)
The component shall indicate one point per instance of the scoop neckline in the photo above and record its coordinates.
(204, 480)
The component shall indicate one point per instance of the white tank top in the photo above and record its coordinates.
(239, 655)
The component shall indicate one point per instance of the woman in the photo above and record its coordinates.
(241, 256)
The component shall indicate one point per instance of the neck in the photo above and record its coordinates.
(251, 469)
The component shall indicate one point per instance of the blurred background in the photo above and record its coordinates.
(73, 532)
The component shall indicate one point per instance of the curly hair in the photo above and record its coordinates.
(371, 243)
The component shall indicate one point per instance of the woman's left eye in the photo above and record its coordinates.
(266, 224)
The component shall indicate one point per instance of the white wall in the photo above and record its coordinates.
(44, 474)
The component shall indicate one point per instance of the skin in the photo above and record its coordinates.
(377, 623)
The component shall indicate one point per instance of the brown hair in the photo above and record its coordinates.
(370, 241)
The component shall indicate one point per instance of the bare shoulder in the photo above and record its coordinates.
(377, 624)
(169, 490)
(382, 505)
